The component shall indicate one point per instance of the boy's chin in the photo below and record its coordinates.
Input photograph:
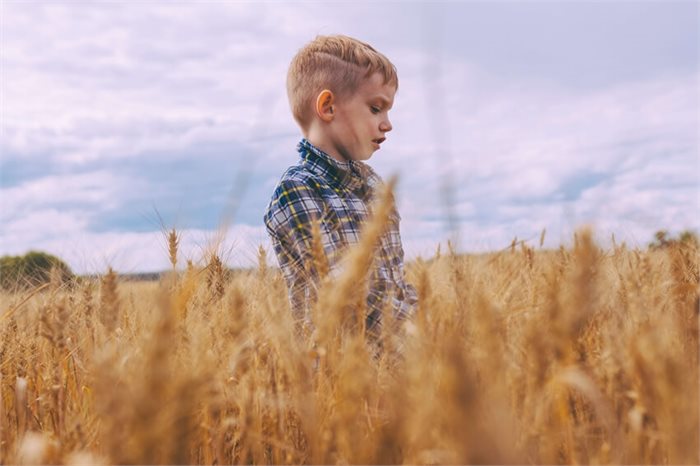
(363, 157)
(359, 156)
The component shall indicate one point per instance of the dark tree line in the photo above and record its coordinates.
(662, 239)
(32, 269)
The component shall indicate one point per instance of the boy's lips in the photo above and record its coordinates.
(378, 141)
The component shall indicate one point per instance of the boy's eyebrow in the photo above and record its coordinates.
(384, 100)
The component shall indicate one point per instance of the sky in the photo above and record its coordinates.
(122, 119)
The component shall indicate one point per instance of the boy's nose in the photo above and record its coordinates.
(385, 126)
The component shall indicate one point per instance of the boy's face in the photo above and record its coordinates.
(360, 122)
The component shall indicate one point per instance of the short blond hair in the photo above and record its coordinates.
(337, 63)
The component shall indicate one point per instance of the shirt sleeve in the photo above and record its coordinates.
(289, 220)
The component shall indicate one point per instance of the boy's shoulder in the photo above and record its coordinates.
(297, 192)
(297, 175)
(296, 184)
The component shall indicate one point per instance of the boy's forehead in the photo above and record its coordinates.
(374, 87)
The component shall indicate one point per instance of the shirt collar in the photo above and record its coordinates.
(346, 174)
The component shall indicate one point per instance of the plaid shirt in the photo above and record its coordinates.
(338, 194)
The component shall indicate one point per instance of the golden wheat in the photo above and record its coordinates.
(577, 355)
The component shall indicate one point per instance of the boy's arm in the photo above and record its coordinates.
(294, 208)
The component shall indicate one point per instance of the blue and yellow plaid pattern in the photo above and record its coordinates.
(338, 195)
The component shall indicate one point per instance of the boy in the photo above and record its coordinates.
(340, 92)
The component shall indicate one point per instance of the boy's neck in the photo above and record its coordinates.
(320, 141)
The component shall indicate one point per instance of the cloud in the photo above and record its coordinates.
(96, 190)
(622, 159)
(92, 252)
(118, 80)
(112, 110)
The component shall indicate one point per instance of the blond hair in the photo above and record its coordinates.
(337, 63)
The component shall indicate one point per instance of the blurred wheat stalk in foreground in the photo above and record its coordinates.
(524, 356)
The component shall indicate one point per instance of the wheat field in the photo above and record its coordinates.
(529, 356)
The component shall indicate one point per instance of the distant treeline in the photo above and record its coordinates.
(37, 268)
(129, 277)
(32, 269)
(662, 239)
(151, 276)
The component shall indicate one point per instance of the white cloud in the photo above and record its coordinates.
(36, 226)
(65, 235)
(530, 145)
(100, 83)
(116, 81)
(99, 190)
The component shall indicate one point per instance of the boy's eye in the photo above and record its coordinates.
(374, 109)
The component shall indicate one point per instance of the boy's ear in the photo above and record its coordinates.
(324, 105)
